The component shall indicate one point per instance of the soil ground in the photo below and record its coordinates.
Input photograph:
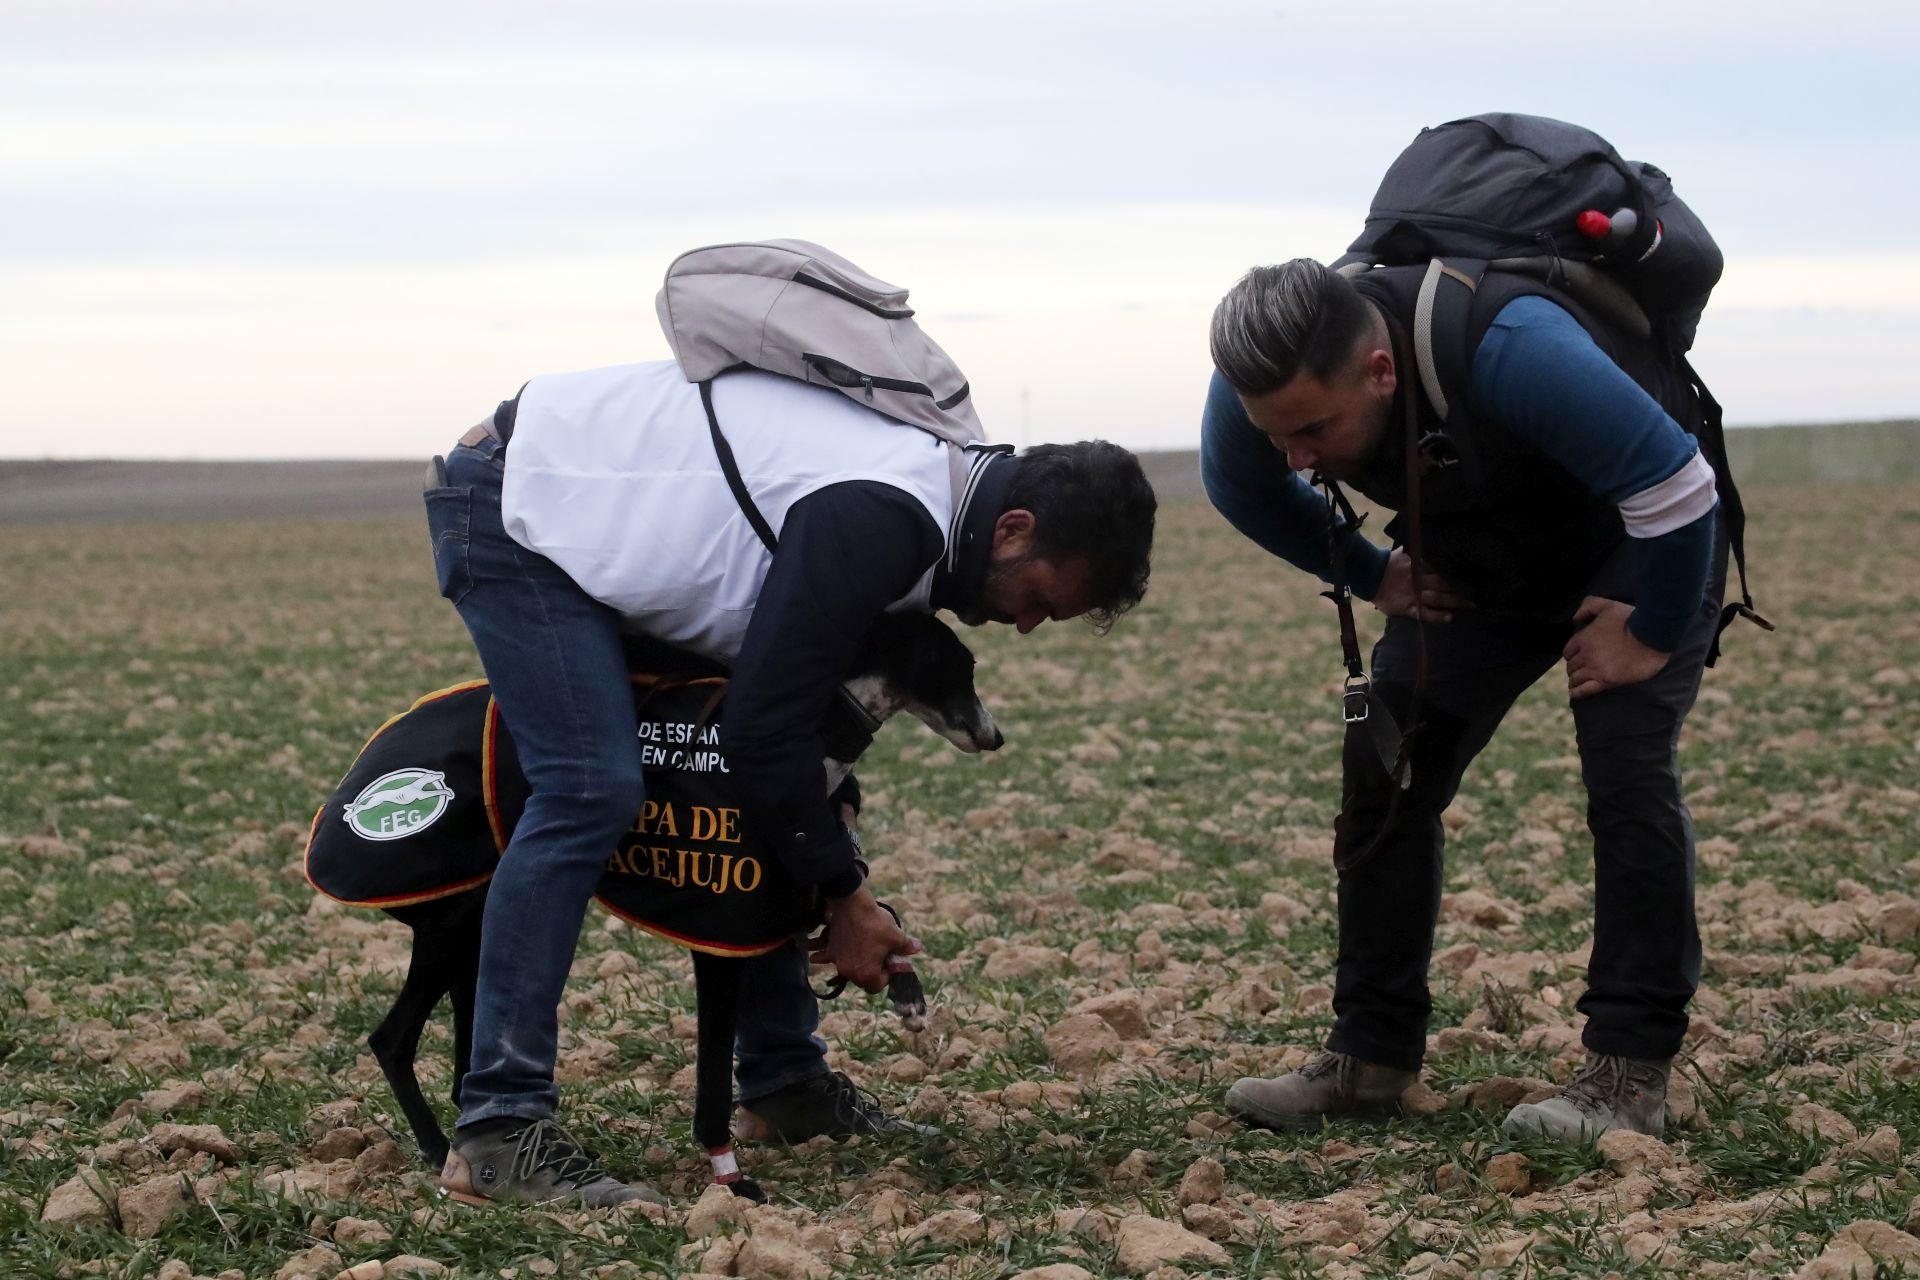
(1126, 908)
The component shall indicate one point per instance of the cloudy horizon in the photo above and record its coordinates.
(236, 233)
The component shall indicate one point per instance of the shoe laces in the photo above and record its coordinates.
(1340, 1066)
(852, 1104)
(545, 1146)
(1603, 1083)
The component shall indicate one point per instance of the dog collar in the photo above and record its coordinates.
(848, 728)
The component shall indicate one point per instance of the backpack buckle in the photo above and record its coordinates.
(1438, 451)
(1353, 699)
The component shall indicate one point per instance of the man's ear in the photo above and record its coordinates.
(1013, 534)
(1382, 378)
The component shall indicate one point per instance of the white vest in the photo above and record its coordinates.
(611, 475)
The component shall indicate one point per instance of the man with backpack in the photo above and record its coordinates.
(1555, 502)
(764, 523)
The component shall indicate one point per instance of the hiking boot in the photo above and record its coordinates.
(531, 1162)
(1608, 1093)
(1333, 1084)
(827, 1104)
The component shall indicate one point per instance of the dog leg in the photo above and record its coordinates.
(446, 951)
(465, 982)
(396, 1042)
(716, 985)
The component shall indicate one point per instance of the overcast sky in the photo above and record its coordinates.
(253, 229)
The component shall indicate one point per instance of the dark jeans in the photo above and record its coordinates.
(553, 657)
(1646, 947)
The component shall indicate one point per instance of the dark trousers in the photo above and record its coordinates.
(1646, 947)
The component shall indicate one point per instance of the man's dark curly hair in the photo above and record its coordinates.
(1090, 500)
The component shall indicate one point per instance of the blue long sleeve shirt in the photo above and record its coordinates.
(1540, 376)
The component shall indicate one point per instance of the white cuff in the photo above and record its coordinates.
(1679, 500)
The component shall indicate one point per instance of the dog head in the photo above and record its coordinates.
(914, 662)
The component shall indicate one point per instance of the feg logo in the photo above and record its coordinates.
(398, 804)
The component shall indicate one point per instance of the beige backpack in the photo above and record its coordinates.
(794, 308)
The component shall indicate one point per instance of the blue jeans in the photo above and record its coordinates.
(553, 657)
(777, 1045)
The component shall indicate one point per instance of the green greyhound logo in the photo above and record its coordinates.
(398, 804)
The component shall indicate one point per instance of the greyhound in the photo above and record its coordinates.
(910, 662)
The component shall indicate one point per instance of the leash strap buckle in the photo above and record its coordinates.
(1354, 698)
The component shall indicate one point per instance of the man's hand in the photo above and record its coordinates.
(860, 937)
(1395, 598)
(1603, 654)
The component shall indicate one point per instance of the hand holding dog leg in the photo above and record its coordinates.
(861, 937)
(1437, 601)
(1604, 654)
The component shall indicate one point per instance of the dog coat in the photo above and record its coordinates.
(432, 799)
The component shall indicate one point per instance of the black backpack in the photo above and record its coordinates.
(1543, 198)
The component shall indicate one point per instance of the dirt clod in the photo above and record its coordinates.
(148, 1206)
(84, 1200)
(1082, 1043)
(717, 1211)
(209, 1138)
(1509, 1174)
(320, 1260)
(1630, 1152)
(1821, 1122)
(1145, 1243)
(1203, 1182)
(360, 1231)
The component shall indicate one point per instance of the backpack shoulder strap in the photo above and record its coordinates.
(1440, 325)
(731, 469)
(1733, 511)
(1440, 328)
(965, 464)
(1458, 298)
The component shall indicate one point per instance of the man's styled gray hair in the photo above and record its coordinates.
(1279, 321)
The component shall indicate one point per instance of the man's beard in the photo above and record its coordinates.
(1376, 453)
(993, 587)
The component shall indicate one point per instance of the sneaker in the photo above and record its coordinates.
(1608, 1093)
(531, 1162)
(1333, 1084)
(827, 1104)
